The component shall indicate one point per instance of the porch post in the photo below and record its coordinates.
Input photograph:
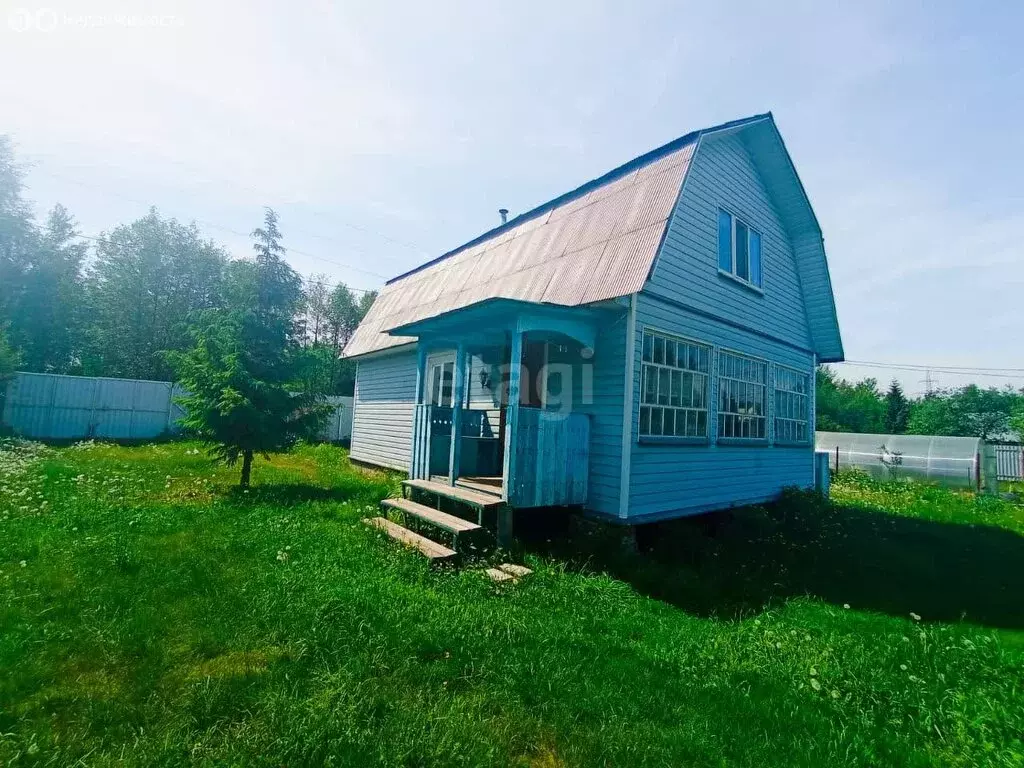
(420, 440)
(458, 397)
(512, 411)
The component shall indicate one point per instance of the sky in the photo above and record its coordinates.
(387, 133)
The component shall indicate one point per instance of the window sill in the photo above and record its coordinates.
(752, 442)
(671, 440)
(792, 444)
(740, 282)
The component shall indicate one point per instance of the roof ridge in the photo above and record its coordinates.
(632, 165)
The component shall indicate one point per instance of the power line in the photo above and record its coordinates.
(214, 225)
(307, 280)
(955, 371)
(916, 366)
(326, 284)
(334, 219)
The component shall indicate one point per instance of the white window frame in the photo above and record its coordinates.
(766, 415)
(731, 274)
(806, 395)
(674, 439)
(439, 362)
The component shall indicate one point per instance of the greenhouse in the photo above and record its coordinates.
(962, 462)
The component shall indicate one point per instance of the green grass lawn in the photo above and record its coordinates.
(150, 614)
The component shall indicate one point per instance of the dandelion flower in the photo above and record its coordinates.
(815, 684)
(814, 671)
(903, 667)
(835, 694)
(846, 606)
(23, 563)
(914, 616)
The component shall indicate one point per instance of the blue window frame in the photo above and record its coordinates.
(739, 249)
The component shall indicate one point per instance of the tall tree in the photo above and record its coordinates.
(149, 277)
(317, 308)
(241, 372)
(322, 367)
(967, 412)
(1017, 422)
(843, 406)
(8, 365)
(18, 235)
(46, 323)
(897, 409)
(342, 311)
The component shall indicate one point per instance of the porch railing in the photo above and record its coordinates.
(550, 459)
(432, 432)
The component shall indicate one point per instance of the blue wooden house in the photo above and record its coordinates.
(642, 347)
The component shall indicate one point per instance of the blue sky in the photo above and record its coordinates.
(387, 133)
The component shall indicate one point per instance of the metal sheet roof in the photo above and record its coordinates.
(595, 243)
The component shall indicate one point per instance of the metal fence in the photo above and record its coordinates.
(51, 407)
(45, 406)
(1009, 461)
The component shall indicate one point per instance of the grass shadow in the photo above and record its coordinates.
(287, 494)
(733, 563)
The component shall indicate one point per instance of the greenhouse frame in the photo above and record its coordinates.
(957, 462)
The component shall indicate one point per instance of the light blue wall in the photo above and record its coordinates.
(722, 174)
(687, 296)
(383, 405)
(676, 480)
(595, 386)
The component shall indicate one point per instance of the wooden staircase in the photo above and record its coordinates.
(436, 519)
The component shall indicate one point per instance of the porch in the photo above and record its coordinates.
(495, 404)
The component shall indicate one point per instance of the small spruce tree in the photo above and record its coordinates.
(897, 409)
(241, 372)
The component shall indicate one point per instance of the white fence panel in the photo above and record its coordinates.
(339, 426)
(1010, 458)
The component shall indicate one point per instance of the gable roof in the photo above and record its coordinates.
(597, 242)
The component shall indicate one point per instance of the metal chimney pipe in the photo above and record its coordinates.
(503, 212)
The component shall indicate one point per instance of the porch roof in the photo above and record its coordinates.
(491, 319)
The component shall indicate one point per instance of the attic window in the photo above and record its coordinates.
(739, 249)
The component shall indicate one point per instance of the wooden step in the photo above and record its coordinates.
(498, 575)
(430, 549)
(477, 499)
(442, 520)
(515, 570)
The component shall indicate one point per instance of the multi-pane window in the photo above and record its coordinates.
(674, 387)
(739, 249)
(742, 397)
(792, 406)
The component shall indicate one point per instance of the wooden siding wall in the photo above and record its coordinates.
(675, 480)
(722, 175)
(688, 297)
(383, 410)
(604, 407)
